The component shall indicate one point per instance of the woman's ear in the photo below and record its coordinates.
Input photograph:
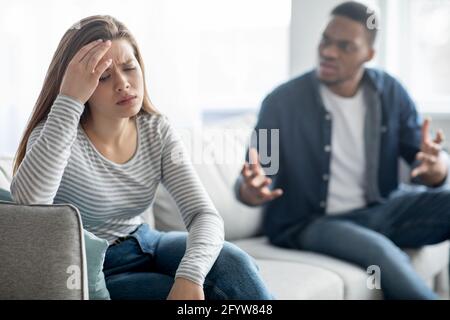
(371, 54)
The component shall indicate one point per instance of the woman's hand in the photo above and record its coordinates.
(84, 70)
(184, 289)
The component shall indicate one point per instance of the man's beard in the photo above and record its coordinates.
(331, 82)
(335, 82)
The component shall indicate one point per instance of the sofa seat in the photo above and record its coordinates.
(297, 281)
(429, 263)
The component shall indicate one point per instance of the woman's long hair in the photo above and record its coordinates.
(85, 31)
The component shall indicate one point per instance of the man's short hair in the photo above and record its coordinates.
(360, 13)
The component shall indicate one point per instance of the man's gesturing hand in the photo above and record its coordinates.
(254, 190)
(432, 169)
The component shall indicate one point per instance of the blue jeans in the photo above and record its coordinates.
(143, 266)
(374, 236)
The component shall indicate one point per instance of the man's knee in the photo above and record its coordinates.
(384, 252)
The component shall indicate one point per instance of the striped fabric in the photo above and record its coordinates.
(63, 166)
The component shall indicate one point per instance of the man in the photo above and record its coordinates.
(342, 129)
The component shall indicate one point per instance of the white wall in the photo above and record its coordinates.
(308, 18)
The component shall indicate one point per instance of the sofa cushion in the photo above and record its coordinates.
(431, 261)
(42, 252)
(95, 256)
(4, 182)
(6, 164)
(428, 262)
(5, 195)
(298, 281)
(354, 278)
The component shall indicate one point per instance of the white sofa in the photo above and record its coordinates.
(290, 274)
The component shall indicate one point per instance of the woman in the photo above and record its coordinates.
(95, 140)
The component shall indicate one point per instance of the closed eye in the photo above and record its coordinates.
(105, 77)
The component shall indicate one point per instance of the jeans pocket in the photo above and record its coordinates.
(147, 238)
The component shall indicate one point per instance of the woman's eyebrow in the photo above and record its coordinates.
(129, 61)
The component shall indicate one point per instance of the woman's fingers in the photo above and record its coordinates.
(96, 55)
(79, 56)
(82, 74)
(101, 67)
(87, 56)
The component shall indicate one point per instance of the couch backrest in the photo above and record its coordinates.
(5, 172)
(217, 153)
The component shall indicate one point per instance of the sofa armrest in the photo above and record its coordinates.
(43, 253)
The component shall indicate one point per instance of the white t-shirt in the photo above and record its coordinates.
(347, 167)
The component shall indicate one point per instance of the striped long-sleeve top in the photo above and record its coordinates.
(62, 165)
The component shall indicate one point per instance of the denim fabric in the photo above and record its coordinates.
(374, 236)
(143, 266)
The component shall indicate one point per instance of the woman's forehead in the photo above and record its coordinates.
(120, 52)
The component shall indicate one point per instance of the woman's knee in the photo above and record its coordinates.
(231, 256)
(236, 276)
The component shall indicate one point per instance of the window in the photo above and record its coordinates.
(199, 54)
(417, 50)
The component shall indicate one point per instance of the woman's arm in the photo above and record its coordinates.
(49, 146)
(48, 150)
(205, 225)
